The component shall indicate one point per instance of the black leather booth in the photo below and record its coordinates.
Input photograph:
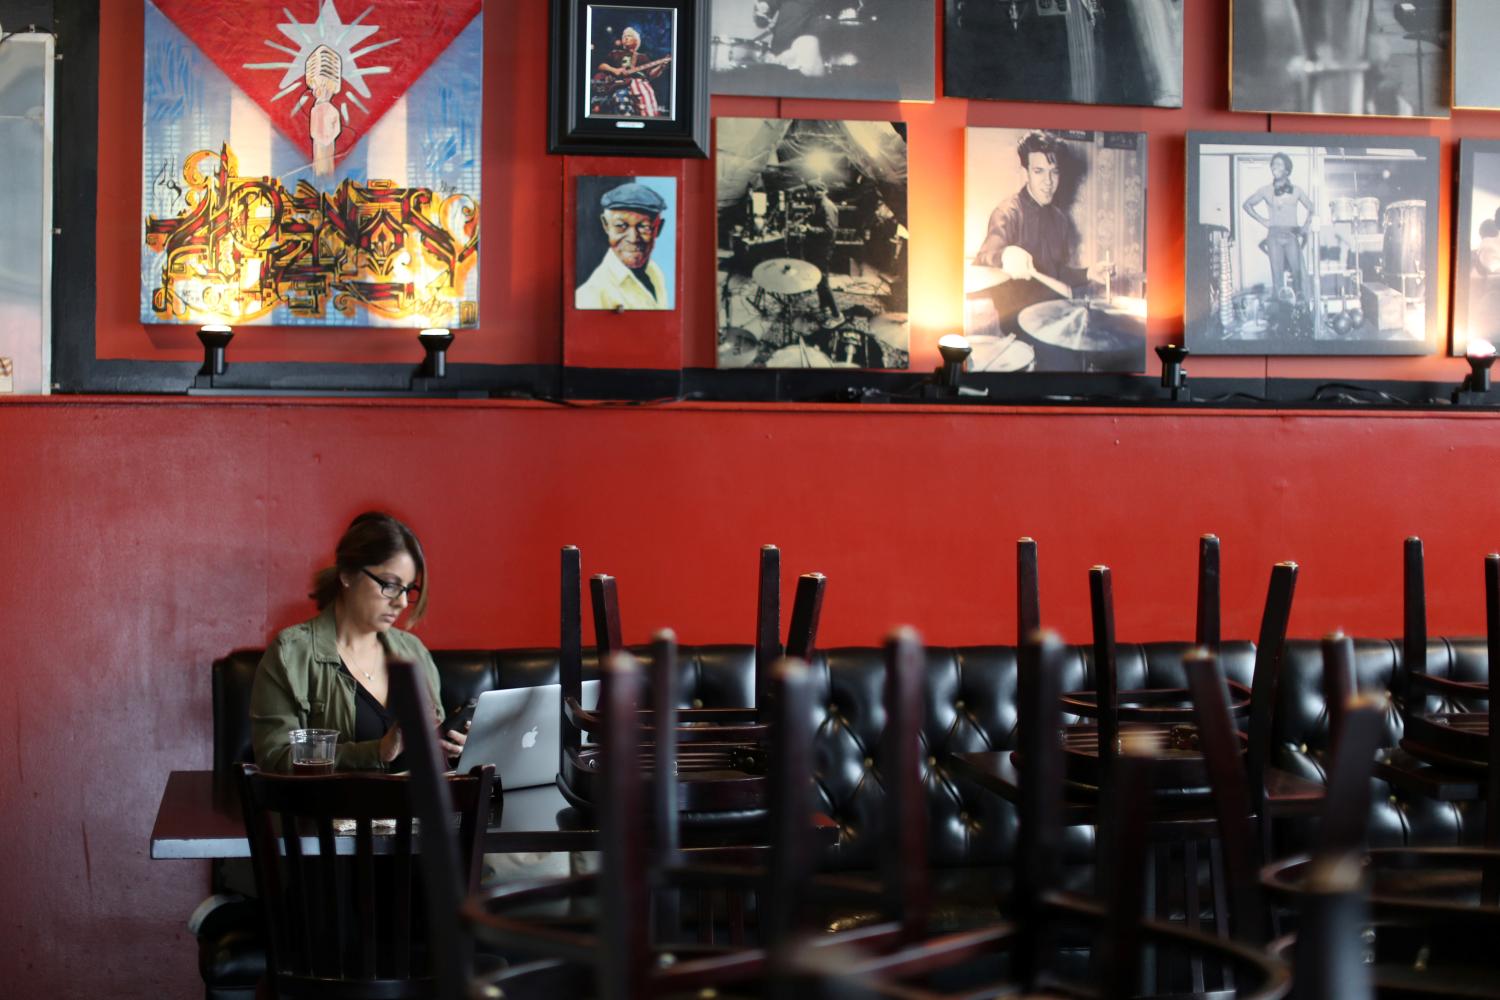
(971, 706)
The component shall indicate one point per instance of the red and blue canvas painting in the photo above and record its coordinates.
(312, 162)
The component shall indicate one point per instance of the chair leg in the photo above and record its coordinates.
(1192, 905)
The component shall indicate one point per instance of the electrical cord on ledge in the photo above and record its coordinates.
(1347, 392)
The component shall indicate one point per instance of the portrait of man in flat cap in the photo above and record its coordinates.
(621, 220)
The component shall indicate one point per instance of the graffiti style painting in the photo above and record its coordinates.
(312, 163)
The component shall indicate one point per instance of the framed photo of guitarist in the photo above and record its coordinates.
(629, 78)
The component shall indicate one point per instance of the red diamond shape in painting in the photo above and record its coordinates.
(286, 56)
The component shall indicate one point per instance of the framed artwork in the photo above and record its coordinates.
(1081, 51)
(812, 244)
(626, 243)
(312, 163)
(872, 50)
(26, 157)
(1476, 39)
(1476, 249)
(629, 78)
(1311, 244)
(1055, 250)
(1383, 58)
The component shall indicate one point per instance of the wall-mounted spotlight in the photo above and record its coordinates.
(1475, 388)
(1173, 375)
(215, 341)
(435, 343)
(955, 349)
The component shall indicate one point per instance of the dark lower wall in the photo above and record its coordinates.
(141, 538)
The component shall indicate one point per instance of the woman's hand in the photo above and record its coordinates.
(390, 745)
(453, 741)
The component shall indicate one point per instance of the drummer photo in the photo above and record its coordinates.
(1311, 244)
(1055, 250)
(873, 50)
(1082, 51)
(626, 243)
(1380, 58)
(812, 244)
(1476, 251)
(631, 62)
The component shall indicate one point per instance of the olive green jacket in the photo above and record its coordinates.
(299, 685)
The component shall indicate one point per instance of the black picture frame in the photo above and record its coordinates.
(581, 123)
(1368, 253)
(1476, 254)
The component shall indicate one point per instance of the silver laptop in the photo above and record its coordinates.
(519, 731)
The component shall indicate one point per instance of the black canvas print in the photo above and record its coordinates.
(878, 50)
(1082, 51)
(1055, 250)
(1341, 57)
(1476, 252)
(1476, 41)
(812, 244)
(1311, 244)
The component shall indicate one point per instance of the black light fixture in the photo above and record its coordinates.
(215, 340)
(435, 342)
(1173, 375)
(955, 349)
(1475, 388)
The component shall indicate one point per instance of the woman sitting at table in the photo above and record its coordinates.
(331, 672)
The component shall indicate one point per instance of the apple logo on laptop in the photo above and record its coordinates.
(528, 739)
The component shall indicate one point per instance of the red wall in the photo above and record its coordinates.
(143, 537)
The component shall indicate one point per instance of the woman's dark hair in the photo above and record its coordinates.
(371, 539)
(1284, 159)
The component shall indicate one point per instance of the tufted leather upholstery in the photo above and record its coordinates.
(1301, 731)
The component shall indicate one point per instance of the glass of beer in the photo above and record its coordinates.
(312, 750)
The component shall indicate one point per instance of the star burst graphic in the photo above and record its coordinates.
(331, 33)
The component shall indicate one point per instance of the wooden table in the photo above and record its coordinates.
(995, 771)
(196, 821)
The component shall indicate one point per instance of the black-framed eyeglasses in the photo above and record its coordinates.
(392, 589)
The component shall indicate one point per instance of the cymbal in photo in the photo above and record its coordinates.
(786, 276)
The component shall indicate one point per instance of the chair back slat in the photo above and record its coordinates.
(790, 793)
(333, 917)
(1330, 962)
(767, 620)
(1028, 590)
(1039, 756)
(624, 903)
(1269, 648)
(1346, 805)
(1339, 683)
(1207, 629)
(301, 925)
(450, 864)
(1219, 742)
(1413, 622)
(570, 648)
(402, 906)
(664, 789)
(807, 608)
(365, 894)
(606, 595)
(1106, 689)
(1490, 886)
(904, 845)
(1123, 870)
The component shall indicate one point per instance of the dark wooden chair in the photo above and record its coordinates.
(1014, 957)
(718, 743)
(345, 920)
(630, 951)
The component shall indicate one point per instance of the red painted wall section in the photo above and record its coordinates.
(144, 538)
